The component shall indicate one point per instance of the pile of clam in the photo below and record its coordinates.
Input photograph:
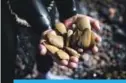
(63, 42)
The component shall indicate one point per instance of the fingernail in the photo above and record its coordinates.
(73, 65)
(95, 49)
(74, 59)
(64, 62)
(98, 39)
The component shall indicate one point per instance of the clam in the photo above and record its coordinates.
(86, 38)
(56, 40)
(83, 23)
(60, 27)
(62, 55)
(69, 34)
(51, 49)
(72, 52)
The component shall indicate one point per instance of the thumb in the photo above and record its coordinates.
(43, 49)
(68, 22)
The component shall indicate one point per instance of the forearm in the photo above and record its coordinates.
(34, 12)
(66, 8)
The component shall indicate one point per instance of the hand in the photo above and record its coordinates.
(73, 61)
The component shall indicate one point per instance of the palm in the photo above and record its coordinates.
(73, 60)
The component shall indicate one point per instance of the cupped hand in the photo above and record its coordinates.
(73, 60)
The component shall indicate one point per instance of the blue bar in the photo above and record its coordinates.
(69, 81)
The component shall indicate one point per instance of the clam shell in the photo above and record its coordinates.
(56, 40)
(62, 55)
(72, 52)
(69, 34)
(51, 49)
(76, 35)
(60, 27)
(93, 42)
(86, 38)
(83, 23)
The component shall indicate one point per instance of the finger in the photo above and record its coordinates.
(64, 62)
(97, 37)
(43, 49)
(63, 67)
(74, 59)
(45, 32)
(50, 31)
(94, 22)
(42, 41)
(73, 19)
(72, 65)
(95, 49)
(70, 21)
